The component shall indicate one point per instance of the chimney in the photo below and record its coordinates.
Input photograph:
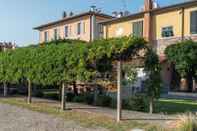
(64, 14)
(148, 5)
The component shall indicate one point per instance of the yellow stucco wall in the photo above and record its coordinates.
(120, 29)
(187, 20)
(172, 18)
(72, 29)
(159, 20)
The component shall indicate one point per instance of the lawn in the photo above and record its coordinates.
(174, 106)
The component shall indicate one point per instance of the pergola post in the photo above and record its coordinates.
(5, 90)
(119, 98)
(63, 101)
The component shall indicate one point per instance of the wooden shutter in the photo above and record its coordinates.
(193, 23)
(138, 28)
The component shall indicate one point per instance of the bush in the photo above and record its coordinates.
(70, 97)
(103, 100)
(52, 95)
(38, 93)
(137, 102)
(79, 98)
(87, 98)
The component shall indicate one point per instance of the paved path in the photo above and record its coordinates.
(127, 115)
(13, 118)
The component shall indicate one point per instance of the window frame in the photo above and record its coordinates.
(191, 23)
(167, 31)
(66, 31)
(139, 24)
(55, 31)
(46, 36)
(79, 28)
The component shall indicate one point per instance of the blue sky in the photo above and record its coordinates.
(18, 17)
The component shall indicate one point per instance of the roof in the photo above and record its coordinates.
(73, 17)
(156, 10)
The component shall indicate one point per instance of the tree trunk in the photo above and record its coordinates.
(151, 106)
(119, 99)
(29, 99)
(184, 84)
(63, 101)
(5, 90)
(194, 85)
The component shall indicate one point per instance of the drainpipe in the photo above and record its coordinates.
(182, 24)
(93, 27)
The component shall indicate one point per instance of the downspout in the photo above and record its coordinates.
(93, 27)
(182, 24)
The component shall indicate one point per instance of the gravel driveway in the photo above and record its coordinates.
(13, 118)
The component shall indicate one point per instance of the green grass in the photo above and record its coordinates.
(174, 106)
(84, 119)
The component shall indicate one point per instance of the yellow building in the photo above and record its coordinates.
(161, 26)
(82, 26)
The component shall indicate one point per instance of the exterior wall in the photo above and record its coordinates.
(187, 20)
(119, 29)
(179, 19)
(72, 25)
(174, 18)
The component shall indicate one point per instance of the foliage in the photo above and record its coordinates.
(137, 102)
(103, 100)
(152, 68)
(130, 74)
(184, 56)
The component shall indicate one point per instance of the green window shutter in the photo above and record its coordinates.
(193, 23)
(138, 28)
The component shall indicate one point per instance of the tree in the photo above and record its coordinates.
(183, 56)
(153, 83)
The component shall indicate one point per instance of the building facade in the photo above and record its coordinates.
(82, 26)
(161, 26)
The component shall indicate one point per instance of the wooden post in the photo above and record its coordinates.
(63, 104)
(119, 99)
(29, 99)
(151, 106)
(194, 85)
(5, 89)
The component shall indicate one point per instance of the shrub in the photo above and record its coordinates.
(70, 97)
(38, 93)
(188, 122)
(52, 95)
(79, 98)
(136, 102)
(87, 98)
(103, 100)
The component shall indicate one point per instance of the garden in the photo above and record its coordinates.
(63, 63)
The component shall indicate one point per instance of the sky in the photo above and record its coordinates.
(18, 17)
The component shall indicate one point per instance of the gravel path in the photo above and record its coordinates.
(13, 118)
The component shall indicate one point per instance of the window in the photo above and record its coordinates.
(45, 36)
(78, 28)
(193, 23)
(55, 34)
(167, 31)
(66, 31)
(138, 29)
